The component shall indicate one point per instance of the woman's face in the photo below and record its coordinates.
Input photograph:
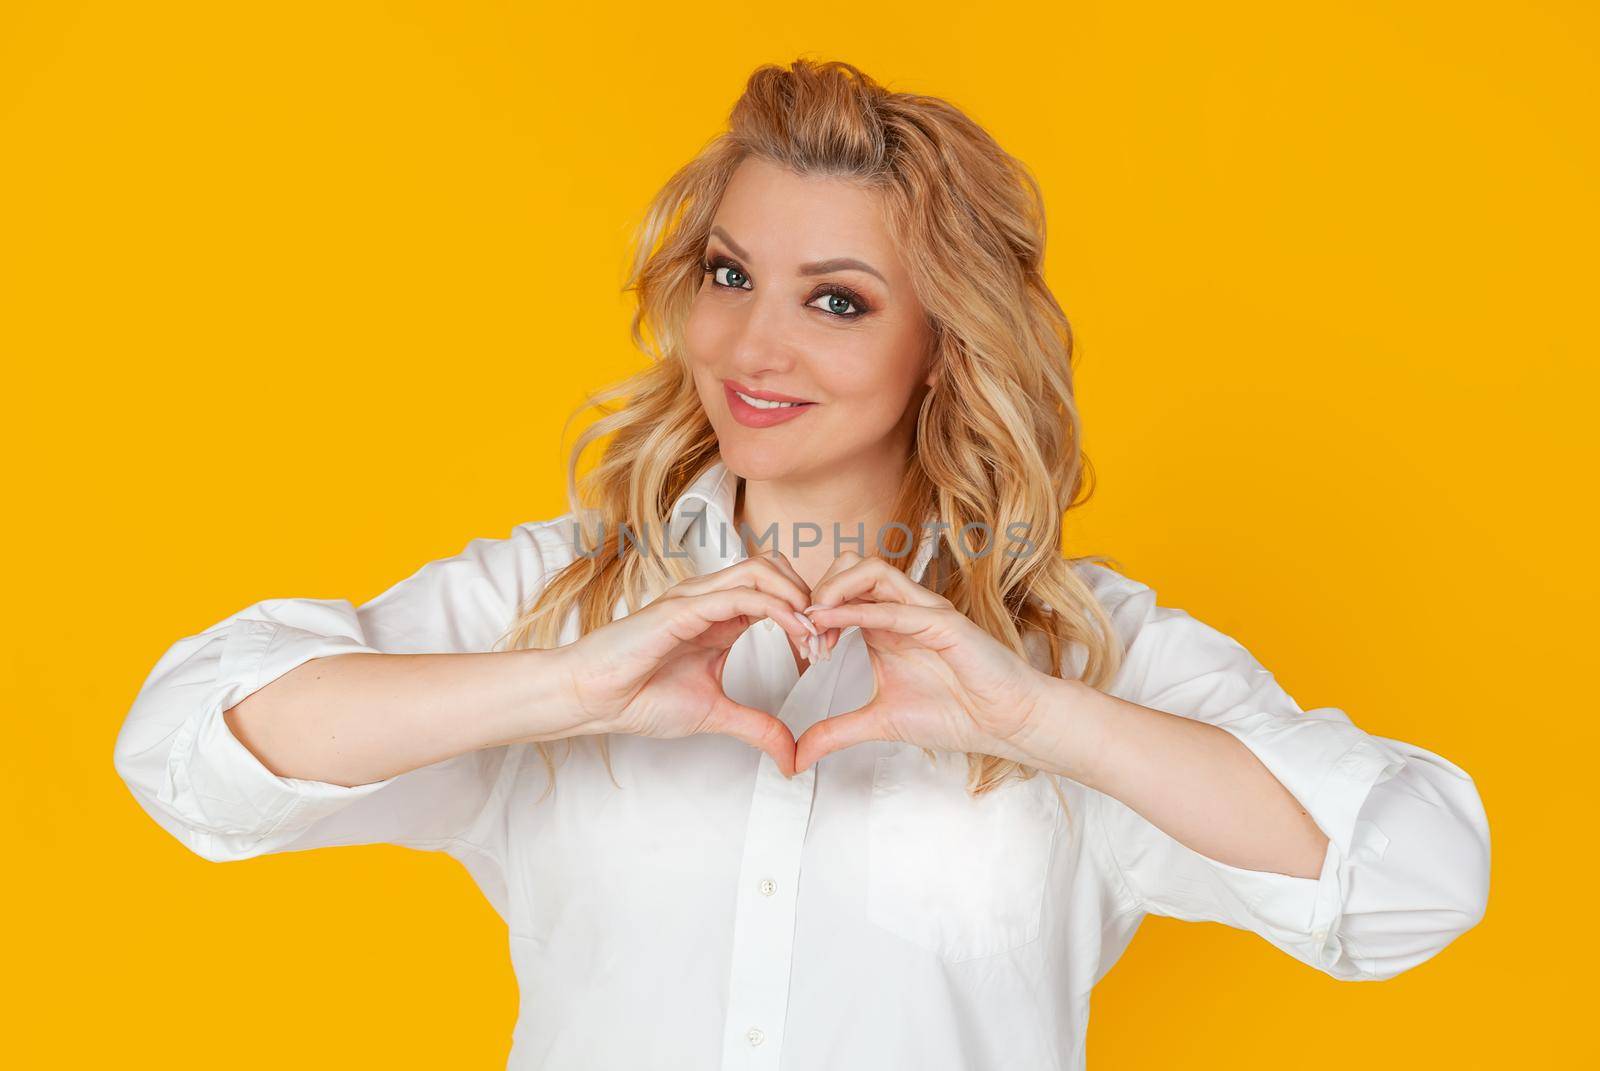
(807, 298)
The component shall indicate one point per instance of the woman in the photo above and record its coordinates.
(892, 789)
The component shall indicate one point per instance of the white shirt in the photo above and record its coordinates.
(711, 913)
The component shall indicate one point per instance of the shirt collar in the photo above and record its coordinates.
(701, 525)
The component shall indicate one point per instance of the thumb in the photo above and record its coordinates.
(838, 732)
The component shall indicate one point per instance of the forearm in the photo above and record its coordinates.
(352, 719)
(1192, 779)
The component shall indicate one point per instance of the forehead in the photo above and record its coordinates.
(779, 215)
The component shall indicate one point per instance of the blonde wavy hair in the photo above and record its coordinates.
(997, 437)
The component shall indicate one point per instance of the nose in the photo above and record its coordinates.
(761, 344)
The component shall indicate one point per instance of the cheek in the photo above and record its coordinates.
(706, 334)
(694, 332)
(875, 372)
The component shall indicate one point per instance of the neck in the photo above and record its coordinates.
(798, 510)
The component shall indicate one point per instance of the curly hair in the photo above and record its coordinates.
(1000, 437)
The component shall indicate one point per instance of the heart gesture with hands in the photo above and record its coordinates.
(658, 672)
(942, 681)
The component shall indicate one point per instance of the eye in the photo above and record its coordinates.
(841, 300)
(738, 279)
(838, 300)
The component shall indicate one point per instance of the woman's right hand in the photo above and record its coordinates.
(658, 672)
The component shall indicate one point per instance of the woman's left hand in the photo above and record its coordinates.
(942, 682)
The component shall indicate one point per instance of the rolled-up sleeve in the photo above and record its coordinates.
(1406, 869)
(190, 773)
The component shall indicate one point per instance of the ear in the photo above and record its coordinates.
(932, 361)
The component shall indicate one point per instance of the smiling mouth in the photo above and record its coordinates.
(762, 403)
(754, 412)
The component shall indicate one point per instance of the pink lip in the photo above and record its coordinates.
(751, 417)
(764, 395)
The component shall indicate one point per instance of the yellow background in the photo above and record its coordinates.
(295, 297)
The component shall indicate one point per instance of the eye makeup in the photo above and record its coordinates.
(712, 263)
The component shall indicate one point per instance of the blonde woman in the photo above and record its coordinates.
(797, 741)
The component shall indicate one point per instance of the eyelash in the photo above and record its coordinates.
(711, 265)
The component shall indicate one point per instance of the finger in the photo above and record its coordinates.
(689, 616)
(776, 564)
(829, 639)
(931, 626)
(756, 728)
(759, 572)
(781, 561)
(840, 731)
(873, 579)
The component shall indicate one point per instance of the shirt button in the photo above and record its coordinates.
(1320, 936)
(755, 1036)
(768, 886)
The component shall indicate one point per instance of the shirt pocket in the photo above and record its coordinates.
(958, 876)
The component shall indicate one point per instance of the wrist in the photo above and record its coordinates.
(1062, 731)
(554, 701)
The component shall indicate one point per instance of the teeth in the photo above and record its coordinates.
(762, 403)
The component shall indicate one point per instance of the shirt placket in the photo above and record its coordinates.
(769, 877)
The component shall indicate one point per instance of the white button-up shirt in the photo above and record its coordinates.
(711, 913)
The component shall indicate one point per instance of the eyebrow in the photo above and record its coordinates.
(816, 267)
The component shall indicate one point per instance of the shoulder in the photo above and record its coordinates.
(507, 568)
(1125, 599)
(556, 540)
(1161, 641)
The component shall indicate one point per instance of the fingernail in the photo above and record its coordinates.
(814, 606)
(811, 645)
(805, 622)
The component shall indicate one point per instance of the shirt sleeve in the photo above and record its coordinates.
(189, 772)
(1407, 865)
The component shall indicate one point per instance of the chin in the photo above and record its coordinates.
(755, 461)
